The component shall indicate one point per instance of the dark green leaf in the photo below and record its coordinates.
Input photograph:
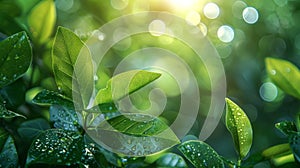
(171, 160)
(14, 94)
(4, 113)
(15, 58)
(295, 145)
(8, 25)
(134, 134)
(10, 8)
(9, 155)
(240, 128)
(109, 156)
(47, 97)
(73, 67)
(123, 84)
(30, 129)
(200, 154)
(64, 118)
(41, 20)
(285, 75)
(286, 127)
(3, 137)
(56, 146)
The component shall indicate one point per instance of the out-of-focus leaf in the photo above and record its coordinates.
(30, 129)
(285, 75)
(73, 67)
(4, 113)
(10, 7)
(200, 154)
(276, 150)
(286, 127)
(240, 128)
(14, 94)
(171, 160)
(8, 25)
(64, 118)
(56, 146)
(41, 20)
(8, 154)
(15, 58)
(47, 97)
(123, 84)
(3, 137)
(134, 134)
(295, 145)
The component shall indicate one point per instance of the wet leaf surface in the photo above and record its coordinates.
(200, 154)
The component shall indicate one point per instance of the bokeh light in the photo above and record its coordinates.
(193, 18)
(211, 10)
(119, 4)
(268, 91)
(225, 33)
(250, 15)
(157, 28)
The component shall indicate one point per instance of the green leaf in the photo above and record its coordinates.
(285, 75)
(4, 113)
(134, 134)
(41, 20)
(73, 67)
(9, 155)
(240, 128)
(200, 154)
(15, 58)
(56, 146)
(47, 97)
(3, 137)
(8, 25)
(10, 8)
(286, 127)
(64, 118)
(295, 145)
(277, 150)
(30, 129)
(123, 84)
(170, 160)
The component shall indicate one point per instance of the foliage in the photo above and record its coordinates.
(51, 102)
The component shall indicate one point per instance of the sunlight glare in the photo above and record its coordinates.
(183, 4)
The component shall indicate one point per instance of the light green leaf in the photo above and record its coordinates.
(123, 84)
(285, 75)
(171, 160)
(135, 134)
(240, 128)
(200, 154)
(15, 58)
(55, 146)
(30, 129)
(286, 127)
(8, 154)
(41, 20)
(4, 113)
(47, 97)
(73, 67)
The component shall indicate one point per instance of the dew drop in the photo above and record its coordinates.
(273, 72)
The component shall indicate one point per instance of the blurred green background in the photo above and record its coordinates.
(255, 30)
